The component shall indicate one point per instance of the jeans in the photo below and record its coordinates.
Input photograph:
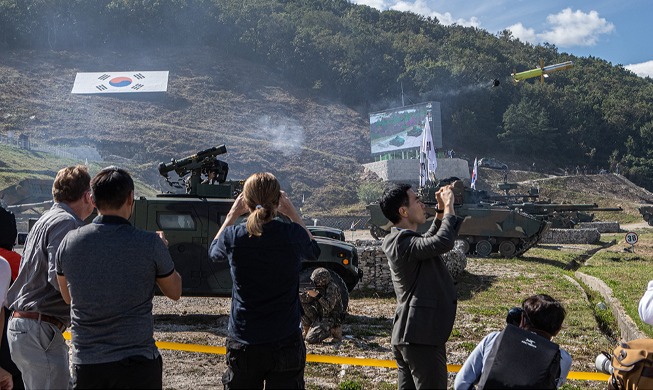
(40, 352)
(135, 372)
(421, 366)
(278, 365)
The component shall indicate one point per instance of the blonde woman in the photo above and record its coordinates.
(264, 343)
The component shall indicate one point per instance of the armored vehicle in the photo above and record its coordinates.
(327, 231)
(416, 131)
(487, 228)
(647, 214)
(561, 215)
(191, 219)
(397, 141)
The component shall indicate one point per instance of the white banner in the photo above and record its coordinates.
(428, 162)
(474, 174)
(120, 82)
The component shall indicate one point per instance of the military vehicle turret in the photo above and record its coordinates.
(191, 219)
(487, 228)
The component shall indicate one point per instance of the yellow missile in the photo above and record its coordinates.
(541, 72)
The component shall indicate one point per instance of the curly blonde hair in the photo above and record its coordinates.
(261, 193)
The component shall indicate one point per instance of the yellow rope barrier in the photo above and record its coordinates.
(352, 361)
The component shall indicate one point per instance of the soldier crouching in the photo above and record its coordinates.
(323, 311)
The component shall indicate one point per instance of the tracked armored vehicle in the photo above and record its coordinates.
(487, 228)
(561, 215)
(191, 219)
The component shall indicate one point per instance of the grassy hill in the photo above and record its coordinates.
(314, 146)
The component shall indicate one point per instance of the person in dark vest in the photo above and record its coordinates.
(426, 295)
(540, 314)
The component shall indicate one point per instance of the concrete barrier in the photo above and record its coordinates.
(376, 272)
(571, 236)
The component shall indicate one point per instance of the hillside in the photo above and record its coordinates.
(314, 146)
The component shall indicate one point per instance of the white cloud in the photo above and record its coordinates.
(567, 29)
(575, 28)
(522, 33)
(378, 4)
(422, 8)
(644, 69)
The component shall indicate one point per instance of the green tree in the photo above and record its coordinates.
(526, 129)
(369, 192)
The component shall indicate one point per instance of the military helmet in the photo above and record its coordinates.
(321, 277)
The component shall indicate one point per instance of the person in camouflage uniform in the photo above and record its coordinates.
(323, 311)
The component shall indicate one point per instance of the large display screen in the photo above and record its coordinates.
(401, 128)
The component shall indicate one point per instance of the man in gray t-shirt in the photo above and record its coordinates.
(108, 271)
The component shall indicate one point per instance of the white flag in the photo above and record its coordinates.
(428, 162)
(474, 174)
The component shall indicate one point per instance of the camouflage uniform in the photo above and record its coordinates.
(322, 314)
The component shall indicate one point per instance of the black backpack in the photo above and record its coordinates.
(520, 359)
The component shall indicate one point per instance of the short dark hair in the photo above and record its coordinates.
(8, 231)
(111, 188)
(392, 199)
(543, 312)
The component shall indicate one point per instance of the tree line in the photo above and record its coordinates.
(595, 114)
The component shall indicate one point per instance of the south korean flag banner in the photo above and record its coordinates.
(120, 82)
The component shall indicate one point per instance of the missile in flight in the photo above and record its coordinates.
(542, 71)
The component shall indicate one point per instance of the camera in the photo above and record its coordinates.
(514, 316)
(603, 363)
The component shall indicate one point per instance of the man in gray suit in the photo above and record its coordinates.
(426, 296)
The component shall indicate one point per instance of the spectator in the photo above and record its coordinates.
(540, 314)
(8, 234)
(426, 296)
(6, 378)
(264, 342)
(110, 295)
(646, 305)
(323, 311)
(39, 311)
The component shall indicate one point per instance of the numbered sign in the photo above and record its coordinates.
(631, 238)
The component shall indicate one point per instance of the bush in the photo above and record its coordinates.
(370, 192)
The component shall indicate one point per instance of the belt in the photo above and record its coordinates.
(32, 315)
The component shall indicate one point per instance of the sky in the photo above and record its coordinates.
(618, 31)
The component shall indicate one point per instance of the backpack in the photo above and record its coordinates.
(520, 359)
(632, 363)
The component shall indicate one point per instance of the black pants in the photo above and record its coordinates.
(278, 365)
(421, 366)
(135, 372)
